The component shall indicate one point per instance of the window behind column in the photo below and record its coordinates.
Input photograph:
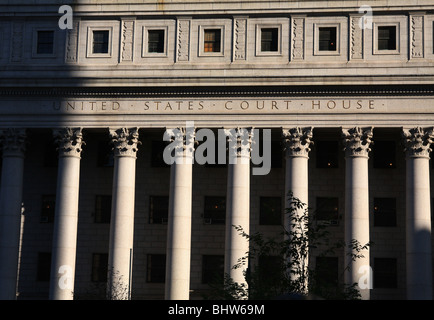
(212, 40)
(269, 268)
(45, 42)
(99, 267)
(43, 266)
(269, 39)
(326, 271)
(158, 209)
(51, 155)
(327, 154)
(387, 38)
(384, 154)
(270, 210)
(105, 156)
(327, 39)
(157, 153)
(327, 210)
(276, 152)
(103, 205)
(212, 269)
(384, 212)
(156, 268)
(100, 43)
(214, 210)
(156, 41)
(385, 273)
(48, 207)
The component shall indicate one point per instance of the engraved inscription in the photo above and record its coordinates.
(220, 106)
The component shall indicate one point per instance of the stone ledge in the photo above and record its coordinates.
(262, 91)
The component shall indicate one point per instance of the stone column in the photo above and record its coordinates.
(418, 213)
(125, 143)
(13, 144)
(357, 146)
(178, 251)
(237, 202)
(66, 214)
(297, 143)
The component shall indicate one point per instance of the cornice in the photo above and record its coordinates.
(215, 91)
(193, 7)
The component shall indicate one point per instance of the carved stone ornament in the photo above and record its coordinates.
(72, 43)
(13, 141)
(357, 141)
(127, 40)
(125, 141)
(298, 39)
(69, 141)
(417, 141)
(17, 41)
(183, 51)
(182, 140)
(240, 142)
(416, 34)
(356, 38)
(240, 39)
(297, 141)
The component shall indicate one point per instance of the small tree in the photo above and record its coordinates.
(117, 287)
(292, 277)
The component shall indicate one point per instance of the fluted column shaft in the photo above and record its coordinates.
(178, 251)
(357, 146)
(13, 144)
(125, 143)
(237, 201)
(418, 213)
(297, 142)
(66, 214)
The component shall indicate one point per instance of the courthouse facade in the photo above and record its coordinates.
(344, 90)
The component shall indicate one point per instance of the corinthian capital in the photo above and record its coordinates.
(417, 141)
(13, 141)
(69, 141)
(357, 141)
(125, 141)
(240, 142)
(182, 139)
(297, 141)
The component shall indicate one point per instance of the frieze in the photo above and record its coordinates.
(217, 106)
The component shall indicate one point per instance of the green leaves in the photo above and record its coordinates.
(288, 271)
